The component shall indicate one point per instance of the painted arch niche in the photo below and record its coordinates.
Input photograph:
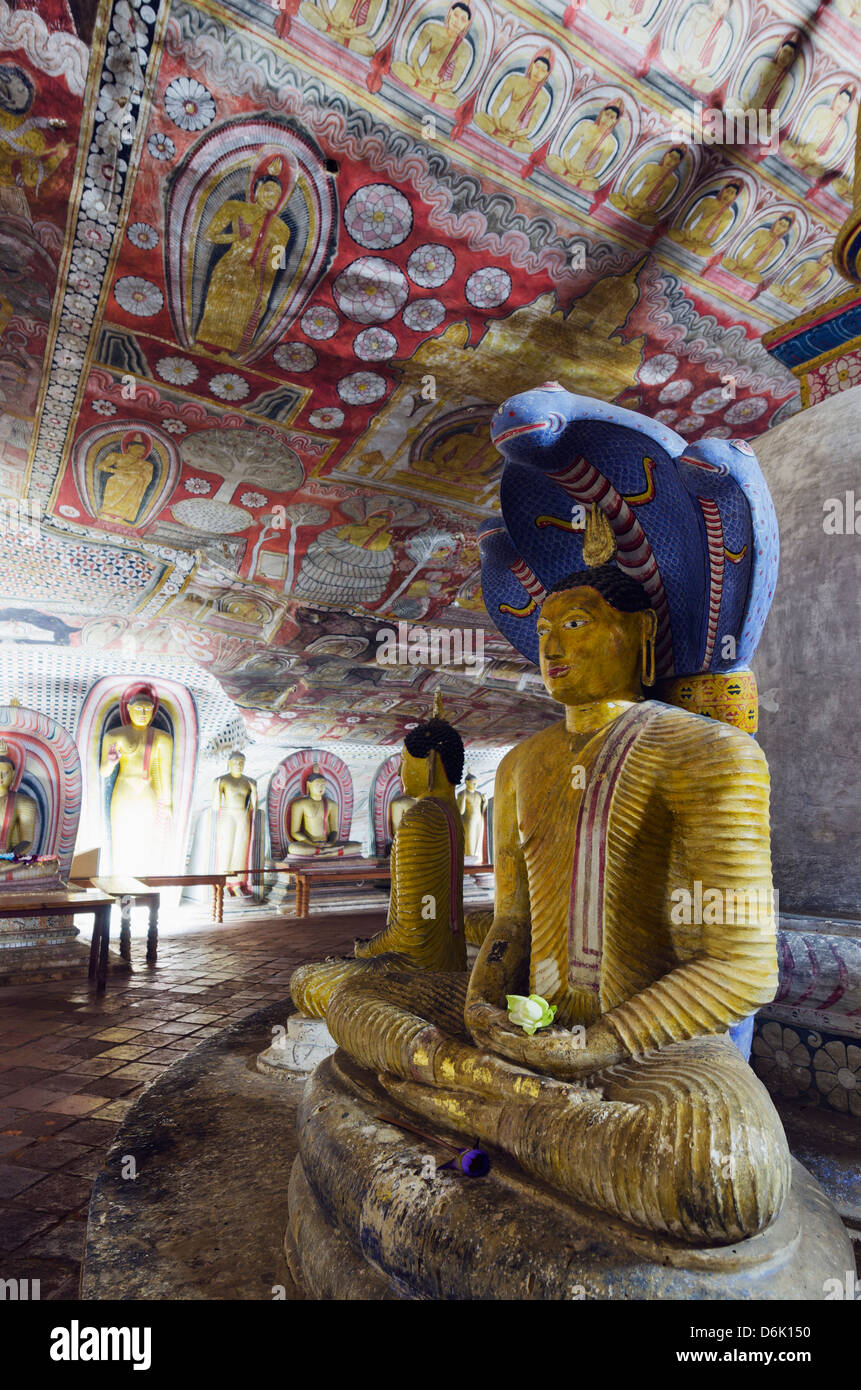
(48, 770)
(125, 474)
(252, 183)
(290, 781)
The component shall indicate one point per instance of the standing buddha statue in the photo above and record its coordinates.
(140, 758)
(234, 802)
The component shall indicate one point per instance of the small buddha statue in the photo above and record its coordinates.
(141, 756)
(628, 1100)
(234, 802)
(17, 810)
(314, 824)
(424, 928)
(473, 808)
(398, 807)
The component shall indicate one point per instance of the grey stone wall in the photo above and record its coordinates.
(808, 666)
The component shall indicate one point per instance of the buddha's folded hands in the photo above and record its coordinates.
(561, 1052)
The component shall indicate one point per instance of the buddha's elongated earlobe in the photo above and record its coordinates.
(431, 768)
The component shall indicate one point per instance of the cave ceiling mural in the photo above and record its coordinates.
(266, 269)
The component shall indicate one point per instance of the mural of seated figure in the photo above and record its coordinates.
(313, 826)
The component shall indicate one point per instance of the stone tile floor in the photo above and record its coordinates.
(72, 1064)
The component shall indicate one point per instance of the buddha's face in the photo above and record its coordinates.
(316, 788)
(268, 194)
(672, 159)
(539, 70)
(727, 194)
(136, 451)
(607, 119)
(782, 225)
(235, 766)
(141, 712)
(7, 776)
(587, 650)
(785, 57)
(457, 20)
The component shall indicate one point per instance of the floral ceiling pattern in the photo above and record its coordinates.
(266, 269)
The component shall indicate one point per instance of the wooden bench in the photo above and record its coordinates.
(128, 891)
(359, 871)
(64, 903)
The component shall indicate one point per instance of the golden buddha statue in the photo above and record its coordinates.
(424, 927)
(398, 807)
(234, 803)
(473, 807)
(141, 759)
(599, 821)
(439, 57)
(313, 830)
(17, 810)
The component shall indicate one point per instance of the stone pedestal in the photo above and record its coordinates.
(307, 1043)
(371, 1218)
(45, 948)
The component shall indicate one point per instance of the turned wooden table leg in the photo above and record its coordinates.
(94, 948)
(219, 902)
(152, 933)
(103, 930)
(126, 927)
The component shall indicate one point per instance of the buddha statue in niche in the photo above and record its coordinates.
(634, 1101)
(313, 829)
(17, 810)
(141, 799)
(424, 928)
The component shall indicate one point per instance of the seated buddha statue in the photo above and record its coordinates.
(424, 927)
(634, 1101)
(17, 810)
(313, 830)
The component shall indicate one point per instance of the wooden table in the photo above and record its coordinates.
(130, 890)
(217, 882)
(356, 871)
(64, 903)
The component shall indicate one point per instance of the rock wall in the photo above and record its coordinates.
(808, 665)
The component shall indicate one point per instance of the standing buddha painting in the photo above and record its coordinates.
(251, 228)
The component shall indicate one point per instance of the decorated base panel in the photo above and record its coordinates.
(366, 1223)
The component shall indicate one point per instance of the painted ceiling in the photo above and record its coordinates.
(266, 269)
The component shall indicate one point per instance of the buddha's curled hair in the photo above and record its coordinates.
(439, 736)
(618, 589)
